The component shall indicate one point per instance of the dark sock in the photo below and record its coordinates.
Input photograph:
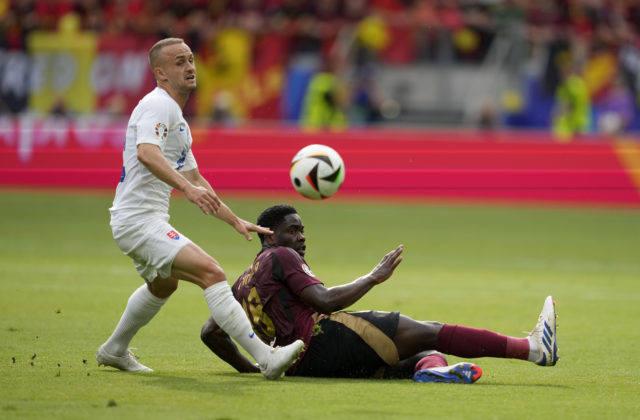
(431, 361)
(470, 342)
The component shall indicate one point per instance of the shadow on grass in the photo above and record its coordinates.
(552, 386)
(219, 383)
(236, 383)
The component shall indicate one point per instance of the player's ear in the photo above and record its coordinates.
(159, 73)
(270, 239)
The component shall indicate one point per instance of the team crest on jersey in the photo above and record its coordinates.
(173, 235)
(161, 131)
(307, 270)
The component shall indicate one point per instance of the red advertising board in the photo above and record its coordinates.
(398, 163)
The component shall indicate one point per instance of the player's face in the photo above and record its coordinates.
(291, 233)
(179, 67)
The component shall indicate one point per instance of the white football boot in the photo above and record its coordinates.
(127, 362)
(280, 359)
(544, 337)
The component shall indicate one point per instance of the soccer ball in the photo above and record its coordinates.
(317, 171)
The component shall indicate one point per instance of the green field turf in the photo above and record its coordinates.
(64, 284)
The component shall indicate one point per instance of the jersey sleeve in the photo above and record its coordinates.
(189, 162)
(296, 274)
(153, 125)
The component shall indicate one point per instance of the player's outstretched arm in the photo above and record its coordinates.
(221, 344)
(151, 156)
(223, 212)
(328, 300)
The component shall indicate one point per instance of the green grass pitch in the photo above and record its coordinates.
(64, 284)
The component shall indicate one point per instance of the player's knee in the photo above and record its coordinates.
(171, 287)
(163, 288)
(432, 329)
(213, 273)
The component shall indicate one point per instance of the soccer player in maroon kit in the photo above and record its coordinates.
(285, 301)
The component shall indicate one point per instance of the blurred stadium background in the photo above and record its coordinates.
(511, 99)
(433, 102)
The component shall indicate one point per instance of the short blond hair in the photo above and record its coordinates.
(154, 52)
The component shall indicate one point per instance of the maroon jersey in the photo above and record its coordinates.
(269, 293)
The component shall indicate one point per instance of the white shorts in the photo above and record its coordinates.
(152, 246)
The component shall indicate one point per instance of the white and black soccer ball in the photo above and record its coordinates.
(317, 171)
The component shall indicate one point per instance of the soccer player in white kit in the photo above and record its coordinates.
(157, 158)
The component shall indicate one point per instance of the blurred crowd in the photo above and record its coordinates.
(312, 23)
(576, 34)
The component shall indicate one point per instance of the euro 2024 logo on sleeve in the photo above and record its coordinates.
(161, 131)
(307, 270)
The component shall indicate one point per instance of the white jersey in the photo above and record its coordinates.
(140, 195)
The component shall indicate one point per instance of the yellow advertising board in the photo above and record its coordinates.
(61, 80)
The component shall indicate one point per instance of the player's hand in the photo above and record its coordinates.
(387, 265)
(207, 200)
(244, 228)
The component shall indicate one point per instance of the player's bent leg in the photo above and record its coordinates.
(405, 368)
(230, 316)
(163, 288)
(431, 359)
(413, 337)
(196, 266)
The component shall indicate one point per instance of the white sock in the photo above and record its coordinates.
(534, 351)
(230, 316)
(141, 307)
